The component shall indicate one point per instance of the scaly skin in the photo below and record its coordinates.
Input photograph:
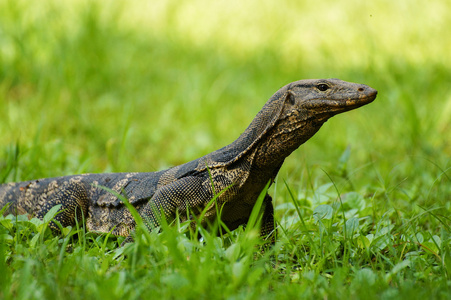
(242, 169)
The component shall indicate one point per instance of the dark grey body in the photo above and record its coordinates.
(242, 169)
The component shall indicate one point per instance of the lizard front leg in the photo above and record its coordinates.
(268, 230)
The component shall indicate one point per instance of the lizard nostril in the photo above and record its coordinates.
(360, 89)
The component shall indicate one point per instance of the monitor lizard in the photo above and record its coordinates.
(241, 170)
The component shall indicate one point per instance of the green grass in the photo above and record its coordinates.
(362, 208)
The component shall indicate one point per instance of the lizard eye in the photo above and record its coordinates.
(322, 87)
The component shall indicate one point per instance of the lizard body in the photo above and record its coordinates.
(241, 169)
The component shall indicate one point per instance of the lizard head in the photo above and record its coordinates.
(324, 98)
(306, 105)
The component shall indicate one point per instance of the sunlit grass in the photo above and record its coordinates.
(363, 207)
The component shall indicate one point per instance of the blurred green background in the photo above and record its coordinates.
(97, 86)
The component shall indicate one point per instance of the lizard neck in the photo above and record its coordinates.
(272, 135)
(280, 141)
(265, 152)
(246, 142)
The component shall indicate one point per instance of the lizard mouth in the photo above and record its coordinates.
(352, 103)
(341, 105)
